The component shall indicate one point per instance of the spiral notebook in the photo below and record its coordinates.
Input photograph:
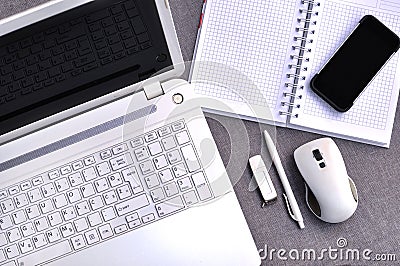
(279, 46)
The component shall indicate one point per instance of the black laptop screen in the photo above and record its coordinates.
(77, 56)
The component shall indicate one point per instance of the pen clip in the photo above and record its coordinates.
(289, 209)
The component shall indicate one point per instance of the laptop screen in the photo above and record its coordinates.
(77, 56)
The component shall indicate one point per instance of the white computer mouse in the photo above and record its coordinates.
(330, 193)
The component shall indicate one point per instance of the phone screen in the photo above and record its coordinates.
(355, 63)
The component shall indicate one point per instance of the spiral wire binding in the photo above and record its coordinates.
(303, 40)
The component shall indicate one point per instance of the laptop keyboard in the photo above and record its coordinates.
(101, 196)
(48, 62)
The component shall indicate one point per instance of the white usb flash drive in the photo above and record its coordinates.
(263, 179)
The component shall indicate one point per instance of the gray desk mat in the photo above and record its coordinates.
(376, 223)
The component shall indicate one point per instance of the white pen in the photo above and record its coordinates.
(291, 202)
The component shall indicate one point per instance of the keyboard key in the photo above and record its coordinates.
(171, 189)
(27, 229)
(105, 231)
(170, 206)
(155, 148)
(164, 131)
(96, 203)
(41, 224)
(54, 174)
(110, 197)
(138, 25)
(48, 190)
(151, 181)
(60, 201)
(46, 254)
(21, 200)
(165, 176)
(94, 219)
(178, 126)
(121, 161)
(3, 194)
(119, 149)
(67, 230)
(66, 170)
(105, 154)
(174, 156)
(82, 208)
(146, 167)
(12, 251)
(68, 213)
(115, 179)
(90, 174)
(37, 181)
(101, 185)
(75, 179)
(201, 186)
(53, 235)
(89, 160)
(46, 206)
(97, 16)
(182, 137)
(3, 258)
(131, 217)
(92, 237)
(74, 195)
(77, 165)
(32, 211)
(184, 184)
(78, 242)
(87, 190)
(62, 184)
(124, 192)
(5, 222)
(148, 218)
(120, 229)
(132, 205)
(190, 198)
(103, 168)
(55, 219)
(150, 137)
(81, 224)
(3, 240)
(141, 154)
(7, 206)
(14, 235)
(116, 9)
(74, 33)
(157, 194)
(131, 176)
(108, 214)
(134, 223)
(179, 170)
(25, 246)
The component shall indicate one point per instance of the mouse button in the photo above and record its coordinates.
(317, 154)
(312, 202)
(353, 189)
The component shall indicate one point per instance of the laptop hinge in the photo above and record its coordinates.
(153, 90)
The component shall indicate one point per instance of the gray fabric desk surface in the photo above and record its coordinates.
(376, 223)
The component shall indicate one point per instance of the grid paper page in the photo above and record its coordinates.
(252, 37)
(372, 107)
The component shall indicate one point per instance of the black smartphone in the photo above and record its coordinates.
(355, 64)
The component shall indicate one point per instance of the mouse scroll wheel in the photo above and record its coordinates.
(317, 155)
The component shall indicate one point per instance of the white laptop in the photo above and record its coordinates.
(120, 179)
